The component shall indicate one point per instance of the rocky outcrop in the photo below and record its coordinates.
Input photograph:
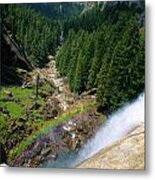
(127, 153)
(60, 88)
(62, 92)
(17, 131)
(66, 137)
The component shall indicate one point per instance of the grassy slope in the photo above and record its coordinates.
(79, 107)
(16, 110)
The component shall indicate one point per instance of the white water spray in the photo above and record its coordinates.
(117, 125)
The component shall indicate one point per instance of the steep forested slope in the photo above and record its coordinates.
(101, 44)
(96, 54)
(104, 48)
(12, 59)
(36, 34)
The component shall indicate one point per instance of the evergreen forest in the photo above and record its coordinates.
(65, 67)
(100, 45)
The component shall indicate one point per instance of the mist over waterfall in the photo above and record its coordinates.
(117, 125)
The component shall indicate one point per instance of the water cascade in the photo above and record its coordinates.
(116, 126)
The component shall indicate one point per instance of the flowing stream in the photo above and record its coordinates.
(117, 126)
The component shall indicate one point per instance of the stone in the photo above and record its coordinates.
(51, 58)
(27, 85)
(8, 93)
(127, 153)
(50, 110)
(35, 106)
(67, 137)
(45, 151)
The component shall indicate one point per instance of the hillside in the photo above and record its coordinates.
(104, 49)
(101, 46)
(65, 69)
(13, 60)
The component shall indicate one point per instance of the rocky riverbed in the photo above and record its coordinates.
(50, 75)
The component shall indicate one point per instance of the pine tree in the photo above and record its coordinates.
(100, 49)
(124, 71)
(78, 82)
(31, 31)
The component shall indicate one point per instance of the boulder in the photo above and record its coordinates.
(45, 151)
(8, 93)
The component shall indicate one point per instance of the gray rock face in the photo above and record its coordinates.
(128, 153)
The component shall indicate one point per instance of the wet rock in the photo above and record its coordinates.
(46, 151)
(67, 137)
(127, 153)
(39, 160)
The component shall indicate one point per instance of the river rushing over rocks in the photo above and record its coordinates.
(62, 141)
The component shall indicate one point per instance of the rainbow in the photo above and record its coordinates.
(79, 107)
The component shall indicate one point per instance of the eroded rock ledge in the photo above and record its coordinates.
(127, 153)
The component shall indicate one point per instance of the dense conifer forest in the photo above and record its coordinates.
(104, 49)
(64, 68)
(97, 45)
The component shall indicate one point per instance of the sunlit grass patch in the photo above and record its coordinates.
(16, 91)
(13, 108)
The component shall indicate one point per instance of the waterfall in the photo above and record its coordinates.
(116, 126)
